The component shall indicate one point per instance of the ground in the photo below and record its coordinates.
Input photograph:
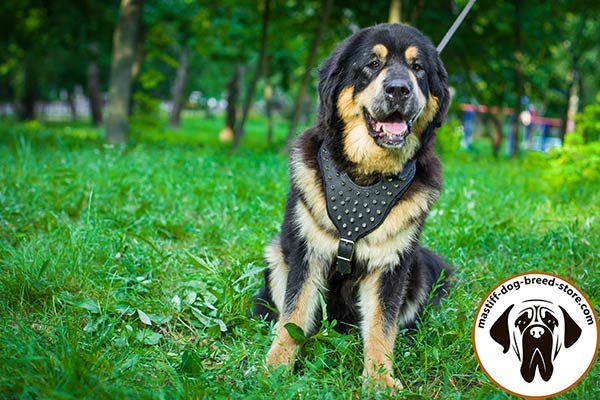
(128, 271)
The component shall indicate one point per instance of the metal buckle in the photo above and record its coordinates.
(344, 256)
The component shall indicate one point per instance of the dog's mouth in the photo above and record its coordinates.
(390, 132)
(537, 355)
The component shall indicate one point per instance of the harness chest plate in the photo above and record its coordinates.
(358, 210)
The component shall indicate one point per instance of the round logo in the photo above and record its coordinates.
(535, 335)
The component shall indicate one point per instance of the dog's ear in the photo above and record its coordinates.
(329, 80)
(499, 331)
(572, 330)
(440, 90)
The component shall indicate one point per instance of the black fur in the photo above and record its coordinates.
(404, 287)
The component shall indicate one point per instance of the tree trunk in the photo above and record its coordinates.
(233, 93)
(93, 86)
(27, 102)
(268, 104)
(136, 67)
(123, 55)
(326, 7)
(71, 101)
(518, 59)
(395, 12)
(573, 80)
(178, 88)
(238, 133)
(496, 134)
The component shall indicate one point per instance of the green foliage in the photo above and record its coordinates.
(571, 168)
(448, 137)
(588, 122)
(127, 272)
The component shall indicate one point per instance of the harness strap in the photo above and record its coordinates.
(358, 210)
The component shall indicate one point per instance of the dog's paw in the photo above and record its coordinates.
(281, 354)
(382, 380)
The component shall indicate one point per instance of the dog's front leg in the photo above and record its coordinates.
(379, 330)
(301, 304)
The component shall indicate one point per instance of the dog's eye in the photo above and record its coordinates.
(374, 64)
(417, 67)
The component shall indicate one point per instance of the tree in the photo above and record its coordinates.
(124, 49)
(239, 129)
(177, 90)
(93, 86)
(310, 60)
(518, 80)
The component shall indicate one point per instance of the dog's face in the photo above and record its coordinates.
(537, 331)
(382, 93)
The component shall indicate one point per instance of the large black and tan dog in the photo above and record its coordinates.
(383, 92)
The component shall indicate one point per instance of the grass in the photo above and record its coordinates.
(127, 272)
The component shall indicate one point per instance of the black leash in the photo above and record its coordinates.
(455, 26)
(358, 210)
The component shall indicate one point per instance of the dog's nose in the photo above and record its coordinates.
(397, 89)
(536, 332)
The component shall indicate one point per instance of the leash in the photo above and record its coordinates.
(455, 26)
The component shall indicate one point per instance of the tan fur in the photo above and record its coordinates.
(427, 115)
(284, 349)
(381, 246)
(411, 53)
(380, 51)
(278, 272)
(378, 344)
(380, 250)
(308, 181)
(360, 147)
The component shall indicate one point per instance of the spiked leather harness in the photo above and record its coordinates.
(358, 210)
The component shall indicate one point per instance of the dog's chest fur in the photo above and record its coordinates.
(380, 249)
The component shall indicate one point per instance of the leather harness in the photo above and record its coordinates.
(358, 210)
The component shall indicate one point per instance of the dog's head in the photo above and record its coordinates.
(537, 330)
(383, 91)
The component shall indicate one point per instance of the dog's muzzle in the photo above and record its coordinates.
(537, 352)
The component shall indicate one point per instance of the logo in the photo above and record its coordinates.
(535, 335)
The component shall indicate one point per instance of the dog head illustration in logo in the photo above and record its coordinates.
(537, 329)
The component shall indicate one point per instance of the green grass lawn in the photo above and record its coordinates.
(127, 272)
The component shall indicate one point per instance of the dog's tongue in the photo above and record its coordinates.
(393, 128)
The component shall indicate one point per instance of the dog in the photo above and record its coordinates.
(537, 330)
(382, 93)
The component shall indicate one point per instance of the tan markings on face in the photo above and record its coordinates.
(378, 342)
(359, 146)
(380, 51)
(411, 53)
(427, 115)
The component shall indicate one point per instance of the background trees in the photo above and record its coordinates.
(505, 55)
